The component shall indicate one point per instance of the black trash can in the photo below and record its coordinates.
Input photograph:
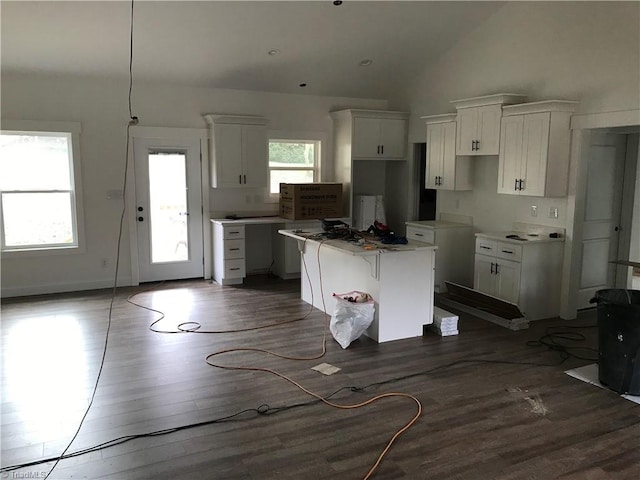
(619, 339)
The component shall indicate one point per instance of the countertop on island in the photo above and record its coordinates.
(369, 247)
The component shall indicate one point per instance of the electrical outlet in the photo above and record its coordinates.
(553, 212)
(105, 262)
(534, 210)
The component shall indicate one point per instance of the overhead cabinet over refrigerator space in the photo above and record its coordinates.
(535, 143)
(239, 151)
(369, 147)
(478, 119)
(378, 135)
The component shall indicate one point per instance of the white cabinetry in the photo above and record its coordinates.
(286, 255)
(239, 151)
(525, 273)
(454, 256)
(368, 148)
(445, 170)
(534, 154)
(229, 266)
(478, 130)
(378, 136)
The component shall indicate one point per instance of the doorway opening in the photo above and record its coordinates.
(427, 197)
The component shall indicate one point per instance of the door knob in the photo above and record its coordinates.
(140, 219)
(140, 209)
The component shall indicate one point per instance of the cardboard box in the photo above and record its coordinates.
(309, 201)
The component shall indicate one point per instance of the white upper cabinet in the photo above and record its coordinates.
(445, 171)
(379, 135)
(534, 153)
(239, 151)
(478, 131)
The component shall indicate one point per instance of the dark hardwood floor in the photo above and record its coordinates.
(480, 420)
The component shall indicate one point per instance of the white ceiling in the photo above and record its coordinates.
(225, 44)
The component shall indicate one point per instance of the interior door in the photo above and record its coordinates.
(168, 209)
(601, 220)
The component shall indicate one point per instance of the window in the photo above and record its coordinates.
(39, 178)
(292, 161)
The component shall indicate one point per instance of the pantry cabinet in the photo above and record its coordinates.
(525, 273)
(478, 131)
(445, 170)
(239, 151)
(535, 142)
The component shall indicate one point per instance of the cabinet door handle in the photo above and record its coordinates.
(240, 179)
(497, 269)
(245, 179)
(234, 249)
(491, 268)
(234, 233)
(485, 248)
(522, 184)
(382, 149)
(477, 145)
(515, 184)
(507, 251)
(232, 269)
(419, 235)
(378, 151)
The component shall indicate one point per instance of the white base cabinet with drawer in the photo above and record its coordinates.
(526, 273)
(229, 266)
(454, 256)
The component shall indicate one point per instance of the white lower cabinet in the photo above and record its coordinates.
(454, 256)
(526, 274)
(229, 265)
(286, 255)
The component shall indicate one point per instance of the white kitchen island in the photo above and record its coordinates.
(400, 279)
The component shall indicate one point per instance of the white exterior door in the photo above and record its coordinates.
(601, 215)
(168, 208)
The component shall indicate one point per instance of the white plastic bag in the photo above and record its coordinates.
(352, 316)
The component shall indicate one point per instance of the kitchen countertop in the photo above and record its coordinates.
(256, 220)
(436, 224)
(369, 248)
(530, 237)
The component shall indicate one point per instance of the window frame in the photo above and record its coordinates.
(317, 138)
(72, 130)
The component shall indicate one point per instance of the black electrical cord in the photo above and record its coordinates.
(133, 121)
(266, 410)
(558, 338)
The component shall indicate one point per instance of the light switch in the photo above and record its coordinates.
(534, 210)
(553, 212)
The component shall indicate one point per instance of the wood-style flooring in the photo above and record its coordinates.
(480, 420)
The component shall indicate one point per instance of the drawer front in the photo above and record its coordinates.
(485, 246)
(234, 249)
(421, 234)
(231, 232)
(508, 251)
(234, 268)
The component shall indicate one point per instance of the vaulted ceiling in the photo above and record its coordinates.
(227, 44)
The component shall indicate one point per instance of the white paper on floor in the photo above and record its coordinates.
(326, 369)
(589, 374)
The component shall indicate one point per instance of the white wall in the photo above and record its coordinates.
(585, 51)
(101, 106)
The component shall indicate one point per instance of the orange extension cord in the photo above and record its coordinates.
(194, 327)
